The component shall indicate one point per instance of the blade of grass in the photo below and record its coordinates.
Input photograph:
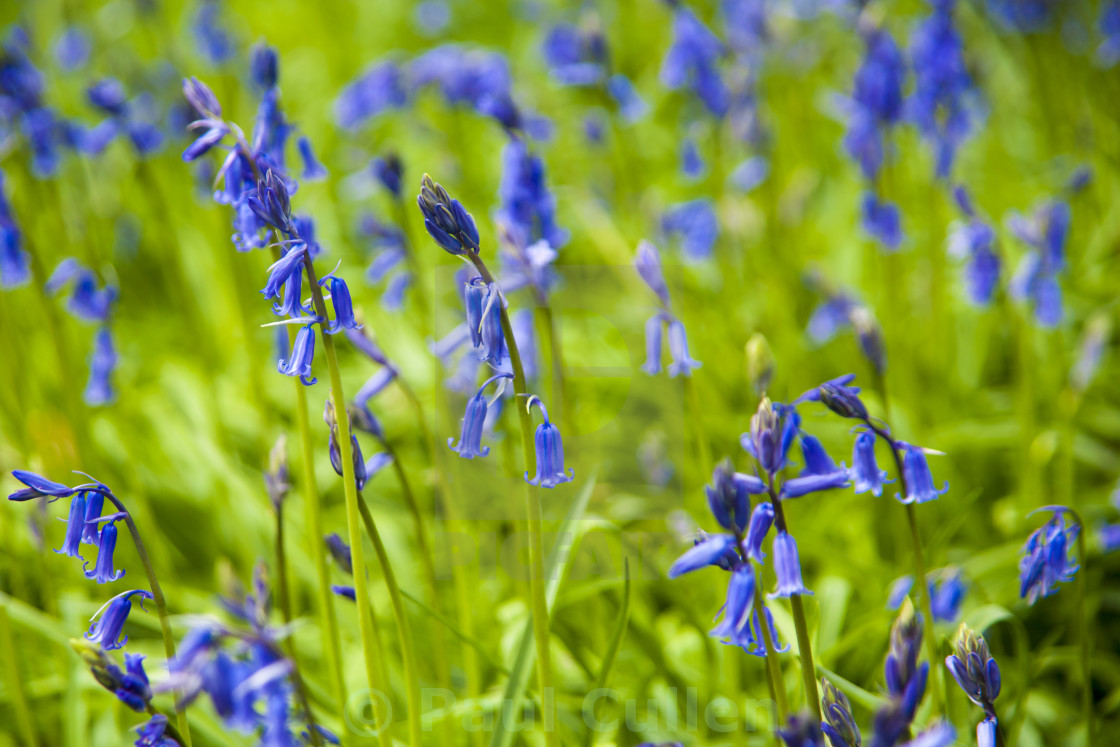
(615, 640)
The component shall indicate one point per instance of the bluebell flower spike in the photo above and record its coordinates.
(974, 669)
(470, 436)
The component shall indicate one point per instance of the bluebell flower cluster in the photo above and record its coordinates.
(15, 263)
(942, 85)
(363, 469)
(906, 679)
(72, 49)
(1045, 232)
(527, 208)
(974, 669)
(389, 249)
(696, 226)
(133, 119)
(946, 593)
(242, 669)
(974, 241)
(1046, 560)
(647, 261)
(576, 56)
(693, 60)
(875, 106)
(90, 303)
(840, 311)
(130, 685)
(838, 724)
(212, 38)
(1024, 16)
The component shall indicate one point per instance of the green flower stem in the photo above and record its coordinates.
(313, 517)
(157, 597)
(14, 684)
(539, 605)
(1083, 633)
(773, 667)
(404, 631)
(804, 646)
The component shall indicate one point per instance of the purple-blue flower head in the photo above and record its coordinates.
(729, 496)
(549, 452)
(95, 501)
(906, 679)
(693, 61)
(787, 567)
(343, 306)
(714, 549)
(264, 66)
(1046, 560)
(446, 221)
(882, 221)
(388, 170)
(302, 354)
(740, 603)
(575, 56)
(102, 363)
(773, 429)
(75, 527)
(313, 170)
(108, 621)
(39, 486)
(917, 477)
(108, 95)
(470, 436)
(761, 519)
(802, 730)
(103, 571)
(682, 363)
(491, 335)
(271, 202)
(838, 724)
(695, 224)
(527, 208)
(647, 261)
(974, 669)
(378, 89)
(865, 471)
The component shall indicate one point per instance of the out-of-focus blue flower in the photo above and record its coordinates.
(102, 363)
(72, 49)
(974, 669)
(906, 678)
(749, 174)
(152, 733)
(527, 209)
(865, 470)
(945, 598)
(696, 224)
(647, 261)
(108, 95)
(916, 475)
(693, 61)
(882, 221)
(15, 263)
(340, 551)
(549, 452)
(787, 567)
(75, 527)
(387, 169)
(345, 591)
(1046, 560)
(682, 363)
(802, 730)
(942, 84)
(1024, 16)
(831, 316)
(1108, 53)
(654, 324)
(746, 26)
(103, 571)
(378, 89)
(876, 101)
(839, 725)
(692, 165)
(740, 603)
(446, 220)
(264, 66)
(817, 460)
(470, 436)
(729, 496)
(106, 628)
(1109, 537)
(975, 240)
(631, 106)
(302, 354)
(313, 170)
(431, 17)
(1045, 231)
(575, 56)
(212, 38)
(87, 302)
(95, 501)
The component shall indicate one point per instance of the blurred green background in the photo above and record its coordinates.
(198, 403)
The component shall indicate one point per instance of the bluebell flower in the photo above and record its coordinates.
(135, 690)
(1109, 537)
(773, 429)
(212, 39)
(787, 566)
(343, 306)
(631, 106)
(446, 220)
(470, 437)
(974, 669)
(714, 549)
(272, 204)
(975, 241)
(313, 170)
(15, 263)
(72, 49)
(941, 84)
(1094, 341)
(865, 472)
(345, 591)
(39, 487)
(492, 337)
(693, 61)
(654, 325)
(575, 56)
(905, 677)
(647, 261)
(986, 732)
(1024, 16)
(106, 628)
(729, 496)
(749, 173)
(102, 363)
(75, 527)
(387, 169)
(740, 603)
(108, 95)
(464, 76)
(340, 551)
(103, 571)
(264, 66)
(750, 637)
(335, 452)
(802, 730)
(916, 475)
(682, 363)
(799, 486)
(303, 352)
(830, 316)
(1045, 562)
(746, 25)
(882, 221)
(696, 224)
(817, 460)
(839, 725)
(95, 501)
(549, 452)
(527, 207)
(945, 598)
(692, 165)
(876, 101)
(1108, 53)
(836, 395)
(761, 519)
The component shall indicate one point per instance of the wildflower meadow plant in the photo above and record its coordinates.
(402, 462)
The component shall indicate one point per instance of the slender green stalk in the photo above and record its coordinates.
(804, 645)
(14, 684)
(539, 605)
(773, 668)
(404, 631)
